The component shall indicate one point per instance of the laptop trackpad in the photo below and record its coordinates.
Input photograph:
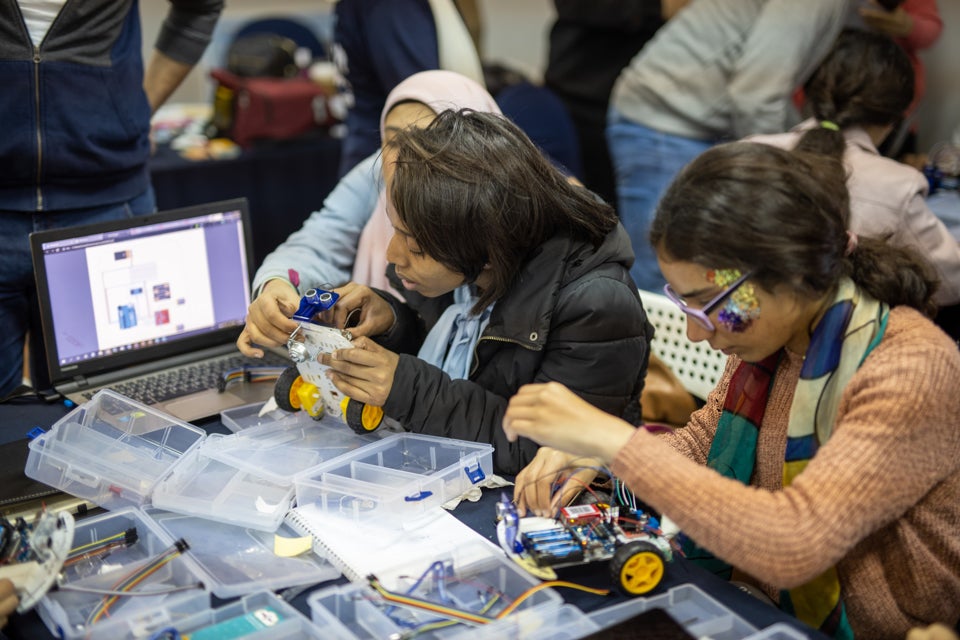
(209, 403)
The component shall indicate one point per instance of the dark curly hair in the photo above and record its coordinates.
(473, 190)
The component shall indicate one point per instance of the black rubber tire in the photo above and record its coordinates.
(353, 416)
(281, 390)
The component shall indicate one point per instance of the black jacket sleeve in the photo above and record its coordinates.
(598, 346)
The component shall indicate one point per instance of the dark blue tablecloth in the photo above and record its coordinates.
(18, 417)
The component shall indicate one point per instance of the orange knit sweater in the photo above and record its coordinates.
(880, 501)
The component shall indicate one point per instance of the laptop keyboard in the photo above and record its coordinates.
(188, 379)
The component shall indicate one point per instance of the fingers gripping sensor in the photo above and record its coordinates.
(315, 301)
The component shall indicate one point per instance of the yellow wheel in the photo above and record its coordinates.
(637, 567)
(362, 418)
(285, 389)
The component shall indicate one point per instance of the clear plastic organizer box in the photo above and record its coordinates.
(261, 615)
(235, 561)
(485, 586)
(110, 450)
(698, 613)
(280, 450)
(121, 551)
(246, 478)
(201, 484)
(543, 623)
(247, 416)
(402, 474)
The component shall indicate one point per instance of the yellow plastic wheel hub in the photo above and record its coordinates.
(306, 397)
(641, 572)
(369, 419)
(293, 394)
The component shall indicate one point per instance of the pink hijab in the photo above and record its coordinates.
(439, 90)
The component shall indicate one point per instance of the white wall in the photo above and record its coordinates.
(939, 114)
(515, 34)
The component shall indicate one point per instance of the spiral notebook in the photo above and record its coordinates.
(390, 553)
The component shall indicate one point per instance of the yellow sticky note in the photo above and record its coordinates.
(289, 547)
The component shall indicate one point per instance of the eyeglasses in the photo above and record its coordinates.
(701, 316)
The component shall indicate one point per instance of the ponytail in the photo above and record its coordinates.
(892, 274)
(866, 79)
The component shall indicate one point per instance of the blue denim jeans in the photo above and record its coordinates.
(19, 312)
(645, 162)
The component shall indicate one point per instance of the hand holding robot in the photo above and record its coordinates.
(309, 385)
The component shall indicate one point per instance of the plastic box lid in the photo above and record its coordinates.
(70, 614)
(542, 623)
(234, 561)
(402, 474)
(262, 613)
(281, 450)
(240, 418)
(202, 485)
(697, 612)
(111, 450)
(484, 586)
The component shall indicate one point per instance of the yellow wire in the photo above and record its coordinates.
(389, 596)
(544, 585)
(448, 623)
(115, 536)
(133, 581)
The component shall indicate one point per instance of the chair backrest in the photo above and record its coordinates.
(696, 365)
(302, 34)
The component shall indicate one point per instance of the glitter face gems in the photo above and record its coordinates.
(742, 307)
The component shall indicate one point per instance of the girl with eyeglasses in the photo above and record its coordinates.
(825, 466)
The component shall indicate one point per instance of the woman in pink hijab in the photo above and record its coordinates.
(438, 91)
(346, 239)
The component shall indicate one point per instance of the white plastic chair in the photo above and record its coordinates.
(697, 366)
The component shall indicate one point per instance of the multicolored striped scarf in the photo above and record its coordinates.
(850, 328)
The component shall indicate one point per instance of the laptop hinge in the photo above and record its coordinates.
(80, 381)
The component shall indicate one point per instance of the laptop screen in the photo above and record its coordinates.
(147, 287)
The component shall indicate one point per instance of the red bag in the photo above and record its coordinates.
(248, 109)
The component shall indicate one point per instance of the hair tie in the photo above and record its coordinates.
(829, 124)
(851, 243)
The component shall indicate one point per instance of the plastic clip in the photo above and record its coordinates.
(475, 475)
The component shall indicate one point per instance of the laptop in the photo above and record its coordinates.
(151, 307)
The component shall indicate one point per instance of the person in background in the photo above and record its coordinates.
(825, 464)
(590, 43)
(77, 104)
(538, 271)
(378, 43)
(915, 25)
(717, 70)
(857, 95)
(347, 239)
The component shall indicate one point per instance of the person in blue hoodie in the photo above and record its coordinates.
(76, 108)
